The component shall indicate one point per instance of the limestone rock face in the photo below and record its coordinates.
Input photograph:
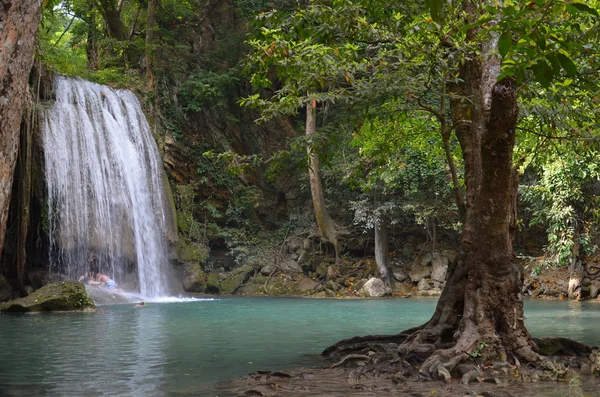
(63, 296)
(374, 288)
(5, 289)
(194, 279)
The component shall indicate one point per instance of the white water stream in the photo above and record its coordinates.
(104, 181)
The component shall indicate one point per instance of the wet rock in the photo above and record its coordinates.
(193, 277)
(419, 273)
(400, 276)
(593, 291)
(320, 294)
(307, 284)
(423, 285)
(374, 288)
(40, 277)
(63, 296)
(330, 293)
(5, 289)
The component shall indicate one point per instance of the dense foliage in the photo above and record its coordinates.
(383, 102)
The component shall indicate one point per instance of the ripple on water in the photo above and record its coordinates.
(188, 345)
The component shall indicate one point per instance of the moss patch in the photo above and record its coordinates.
(63, 296)
(227, 283)
(191, 252)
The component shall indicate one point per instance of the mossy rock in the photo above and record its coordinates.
(191, 252)
(63, 296)
(194, 278)
(227, 283)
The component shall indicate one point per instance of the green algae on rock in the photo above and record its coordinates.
(63, 296)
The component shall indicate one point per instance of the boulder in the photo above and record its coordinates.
(359, 284)
(63, 296)
(307, 284)
(439, 264)
(290, 266)
(374, 288)
(194, 278)
(249, 289)
(227, 283)
(593, 291)
(5, 289)
(267, 270)
(419, 273)
(403, 288)
(423, 285)
(332, 285)
(399, 275)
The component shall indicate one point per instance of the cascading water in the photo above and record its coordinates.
(104, 182)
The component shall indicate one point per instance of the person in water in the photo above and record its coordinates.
(103, 279)
(141, 304)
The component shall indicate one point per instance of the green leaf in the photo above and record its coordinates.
(567, 64)
(436, 9)
(585, 8)
(543, 73)
(504, 44)
(553, 59)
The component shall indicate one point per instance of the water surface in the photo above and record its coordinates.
(172, 349)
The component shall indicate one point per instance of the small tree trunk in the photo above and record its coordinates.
(326, 225)
(19, 22)
(91, 49)
(382, 253)
(112, 18)
(151, 28)
(458, 195)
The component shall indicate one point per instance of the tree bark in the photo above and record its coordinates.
(382, 254)
(481, 305)
(24, 193)
(151, 28)
(112, 18)
(91, 49)
(326, 225)
(19, 22)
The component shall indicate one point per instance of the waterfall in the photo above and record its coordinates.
(104, 183)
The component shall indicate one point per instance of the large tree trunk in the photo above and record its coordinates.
(111, 13)
(481, 305)
(24, 192)
(19, 22)
(326, 225)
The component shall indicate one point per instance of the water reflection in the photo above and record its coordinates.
(187, 347)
